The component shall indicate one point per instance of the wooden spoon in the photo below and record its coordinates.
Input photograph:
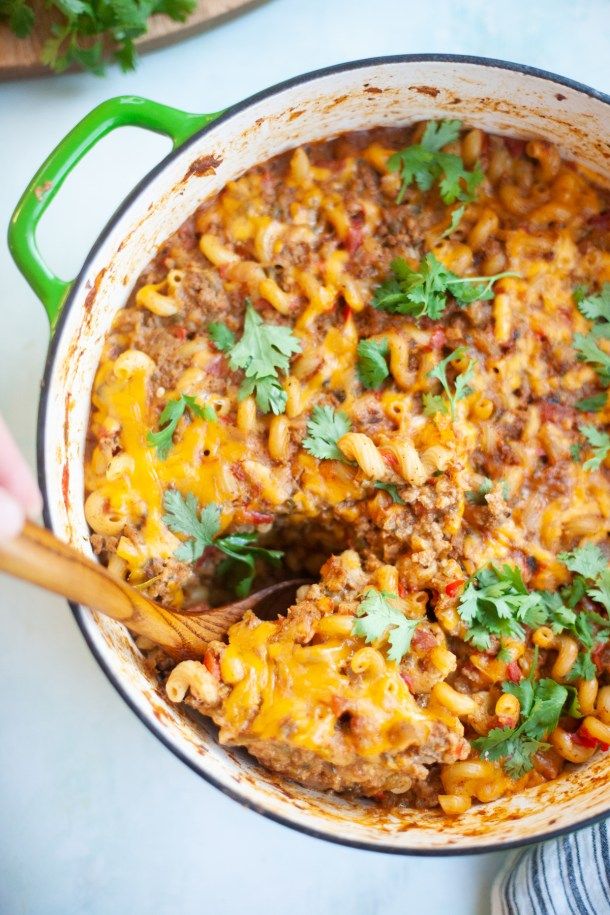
(37, 556)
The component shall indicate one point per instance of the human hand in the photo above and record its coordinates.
(19, 495)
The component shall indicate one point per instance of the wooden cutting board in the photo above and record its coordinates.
(20, 57)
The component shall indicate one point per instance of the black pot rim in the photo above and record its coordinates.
(78, 611)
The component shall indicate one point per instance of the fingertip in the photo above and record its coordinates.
(11, 516)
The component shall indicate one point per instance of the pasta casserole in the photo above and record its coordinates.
(381, 360)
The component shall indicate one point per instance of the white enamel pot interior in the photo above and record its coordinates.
(499, 97)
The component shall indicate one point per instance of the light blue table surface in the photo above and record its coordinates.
(96, 816)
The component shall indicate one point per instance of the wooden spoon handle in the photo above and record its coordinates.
(37, 556)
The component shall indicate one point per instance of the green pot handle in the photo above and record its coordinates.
(123, 111)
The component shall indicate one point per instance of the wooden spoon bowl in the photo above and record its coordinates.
(37, 556)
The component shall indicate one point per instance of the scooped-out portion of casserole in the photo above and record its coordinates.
(310, 700)
(381, 360)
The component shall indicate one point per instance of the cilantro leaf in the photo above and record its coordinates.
(477, 496)
(169, 418)
(222, 337)
(372, 365)
(184, 517)
(376, 617)
(456, 218)
(541, 703)
(263, 351)
(424, 163)
(324, 429)
(592, 404)
(583, 667)
(424, 292)
(497, 602)
(589, 351)
(392, 490)
(594, 307)
(587, 560)
(600, 443)
(601, 591)
(575, 451)
(434, 403)
(461, 384)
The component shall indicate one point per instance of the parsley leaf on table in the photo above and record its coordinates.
(169, 418)
(86, 27)
(497, 602)
(376, 617)
(434, 404)
(184, 517)
(423, 292)
(222, 337)
(264, 349)
(324, 429)
(372, 365)
(425, 163)
(600, 443)
(392, 490)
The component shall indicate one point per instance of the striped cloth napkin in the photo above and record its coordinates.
(567, 876)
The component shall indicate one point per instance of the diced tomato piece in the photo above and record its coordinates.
(176, 330)
(355, 233)
(583, 739)
(390, 458)
(555, 411)
(597, 655)
(346, 313)
(403, 588)
(407, 680)
(437, 338)
(600, 221)
(238, 471)
(514, 672)
(514, 146)
(216, 366)
(423, 639)
(258, 517)
(453, 587)
(339, 705)
(211, 662)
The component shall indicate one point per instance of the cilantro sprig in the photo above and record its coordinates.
(541, 703)
(201, 526)
(372, 365)
(377, 618)
(595, 307)
(435, 403)
(324, 429)
(170, 416)
(85, 28)
(591, 577)
(497, 602)
(424, 292)
(424, 163)
(263, 351)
